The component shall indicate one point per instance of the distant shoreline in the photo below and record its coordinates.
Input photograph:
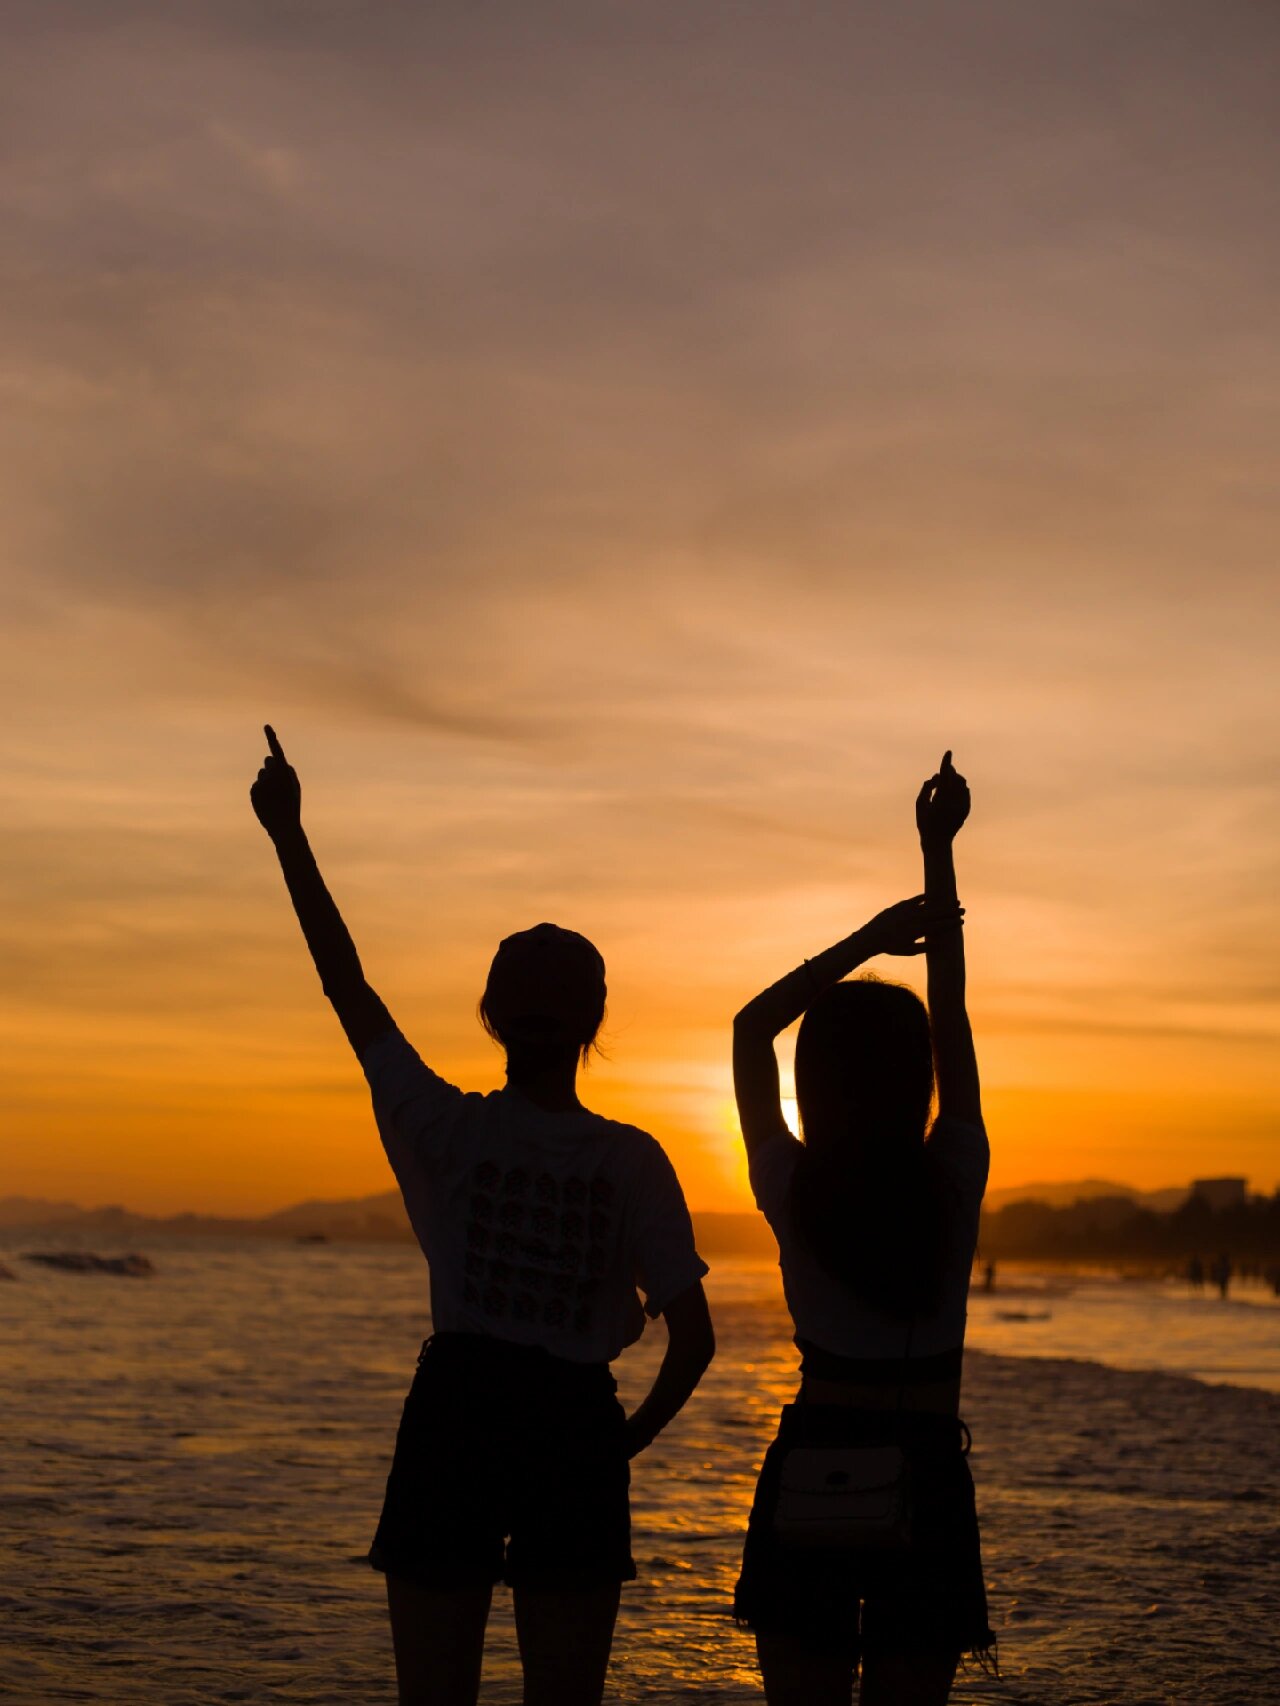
(1090, 1224)
(377, 1220)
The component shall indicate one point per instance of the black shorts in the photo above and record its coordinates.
(930, 1598)
(510, 1465)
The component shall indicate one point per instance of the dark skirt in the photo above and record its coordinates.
(928, 1598)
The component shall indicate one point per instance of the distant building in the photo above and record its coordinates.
(1221, 1193)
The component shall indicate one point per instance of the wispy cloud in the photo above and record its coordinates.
(620, 448)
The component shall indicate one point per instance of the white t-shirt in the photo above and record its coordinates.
(537, 1226)
(826, 1312)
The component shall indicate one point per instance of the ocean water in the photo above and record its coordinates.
(193, 1466)
(1135, 1324)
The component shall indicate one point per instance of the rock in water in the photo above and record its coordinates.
(133, 1266)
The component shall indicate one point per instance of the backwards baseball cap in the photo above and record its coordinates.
(546, 981)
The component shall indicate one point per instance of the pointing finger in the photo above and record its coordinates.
(277, 751)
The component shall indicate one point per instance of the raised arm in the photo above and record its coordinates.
(277, 801)
(899, 929)
(942, 805)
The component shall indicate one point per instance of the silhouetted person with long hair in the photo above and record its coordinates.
(862, 1547)
(537, 1219)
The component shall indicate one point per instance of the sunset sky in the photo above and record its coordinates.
(619, 446)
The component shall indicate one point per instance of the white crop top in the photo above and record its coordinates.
(825, 1312)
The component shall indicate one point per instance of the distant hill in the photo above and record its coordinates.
(378, 1217)
(375, 1219)
(1062, 1194)
(35, 1211)
(381, 1218)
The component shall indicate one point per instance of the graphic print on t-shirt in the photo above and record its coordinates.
(537, 1247)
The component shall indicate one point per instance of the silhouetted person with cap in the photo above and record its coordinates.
(537, 1218)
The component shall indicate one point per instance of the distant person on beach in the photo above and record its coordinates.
(537, 1219)
(862, 1549)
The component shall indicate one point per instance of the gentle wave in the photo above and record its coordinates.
(194, 1465)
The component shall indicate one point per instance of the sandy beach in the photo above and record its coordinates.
(195, 1462)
